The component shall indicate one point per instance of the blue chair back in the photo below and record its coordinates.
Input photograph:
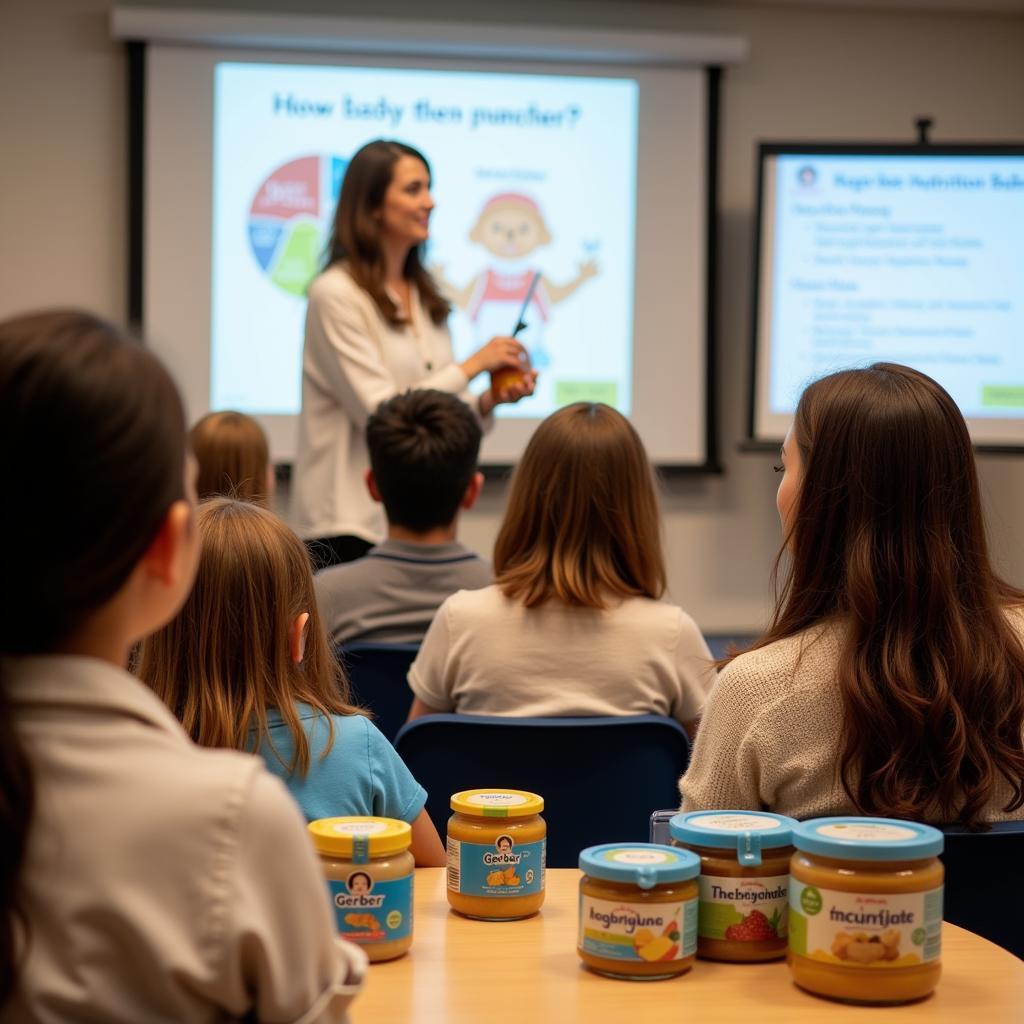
(982, 891)
(600, 777)
(377, 673)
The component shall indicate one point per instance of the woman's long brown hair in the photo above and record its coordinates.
(582, 523)
(887, 540)
(226, 658)
(355, 235)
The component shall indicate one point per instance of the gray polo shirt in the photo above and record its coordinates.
(391, 594)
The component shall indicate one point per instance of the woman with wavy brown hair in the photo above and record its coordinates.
(376, 325)
(574, 623)
(891, 678)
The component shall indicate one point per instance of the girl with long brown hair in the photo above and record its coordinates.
(246, 665)
(891, 678)
(140, 877)
(574, 624)
(233, 457)
(376, 326)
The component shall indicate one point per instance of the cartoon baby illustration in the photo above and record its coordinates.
(504, 844)
(359, 883)
(512, 228)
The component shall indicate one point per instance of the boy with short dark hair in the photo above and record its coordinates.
(423, 449)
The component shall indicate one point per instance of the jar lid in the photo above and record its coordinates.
(357, 839)
(497, 803)
(643, 864)
(868, 838)
(746, 832)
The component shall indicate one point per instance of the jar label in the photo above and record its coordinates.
(640, 857)
(359, 828)
(641, 932)
(503, 868)
(367, 911)
(497, 799)
(866, 832)
(744, 909)
(857, 929)
(734, 822)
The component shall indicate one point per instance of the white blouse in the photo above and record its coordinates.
(353, 360)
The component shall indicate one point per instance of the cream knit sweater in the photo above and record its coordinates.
(770, 737)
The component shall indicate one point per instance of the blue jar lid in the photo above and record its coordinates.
(643, 864)
(746, 832)
(868, 838)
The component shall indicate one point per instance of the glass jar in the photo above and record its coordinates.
(496, 852)
(369, 872)
(638, 910)
(865, 899)
(744, 881)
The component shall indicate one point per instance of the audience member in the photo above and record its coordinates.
(423, 449)
(891, 679)
(246, 665)
(574, 624)
(141, 878)
(234, 458)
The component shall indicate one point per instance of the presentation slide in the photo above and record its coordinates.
(912, 259)
(532, 174)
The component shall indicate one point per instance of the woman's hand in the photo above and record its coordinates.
(498, 354)
(509, 391)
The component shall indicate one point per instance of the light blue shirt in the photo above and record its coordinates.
(361, 775)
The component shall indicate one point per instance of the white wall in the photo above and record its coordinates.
(811, 75)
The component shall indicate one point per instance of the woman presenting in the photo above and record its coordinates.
(376, 325)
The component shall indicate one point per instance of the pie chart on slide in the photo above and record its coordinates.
(289, 219)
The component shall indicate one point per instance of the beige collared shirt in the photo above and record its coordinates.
(163, 882)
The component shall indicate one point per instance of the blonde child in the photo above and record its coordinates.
(141, 878)
(234, 458)
(247, 665)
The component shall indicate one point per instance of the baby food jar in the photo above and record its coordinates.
(744, 881)
(369, 872)
(865, 918)
(638, 910)
(496, 849)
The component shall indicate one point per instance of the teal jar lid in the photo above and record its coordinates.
(868, 838)
(642, 864)
(746, 832)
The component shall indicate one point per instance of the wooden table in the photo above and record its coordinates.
(528, 971)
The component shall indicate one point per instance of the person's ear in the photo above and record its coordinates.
(166, 559)
(297, 637)
(473, 489)
(544, 236)
(371, 485)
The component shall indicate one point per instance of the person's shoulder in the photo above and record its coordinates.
(801, 660)
(338, 580)
(334, 281)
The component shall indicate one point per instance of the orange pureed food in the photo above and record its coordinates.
(638, 910)
(496, 852)
(744, 881)
(865, 897)
(369, 872)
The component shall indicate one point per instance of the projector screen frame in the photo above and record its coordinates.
(765, 149)
(136, 52)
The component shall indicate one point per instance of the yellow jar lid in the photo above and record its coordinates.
(356, 839)
(497, 803)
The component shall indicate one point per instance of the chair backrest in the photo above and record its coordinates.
(981, 892)
(377, 673)
(600, 777)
